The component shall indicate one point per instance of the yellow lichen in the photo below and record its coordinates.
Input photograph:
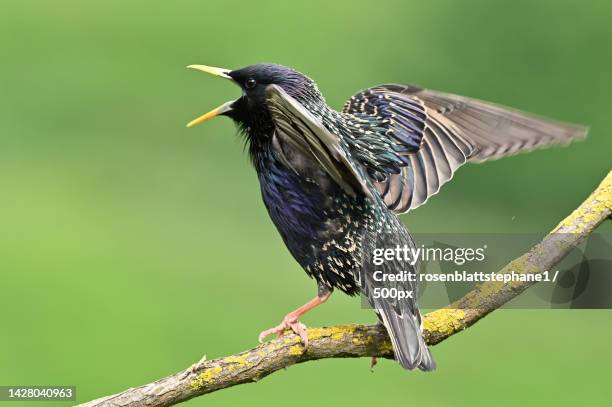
(206, 377)
(444, 321)
(485, 291)
(317, 333)
(600, 202)
(386, 347)
(287, 339)
(362, 340)
(235, 362)
(338, 334)
(335, 332)
(242, 360)
(296, 350)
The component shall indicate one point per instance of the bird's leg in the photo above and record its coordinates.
(291, 320)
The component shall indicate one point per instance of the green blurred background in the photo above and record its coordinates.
(130, 246)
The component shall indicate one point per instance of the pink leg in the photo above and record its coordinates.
(291, 320)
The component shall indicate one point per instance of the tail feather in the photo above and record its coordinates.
(406, 337)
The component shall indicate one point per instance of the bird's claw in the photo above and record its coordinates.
(288, 323)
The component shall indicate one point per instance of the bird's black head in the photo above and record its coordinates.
(250, 111)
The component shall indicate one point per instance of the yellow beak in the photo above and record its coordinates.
(226, 107)
(212, 70)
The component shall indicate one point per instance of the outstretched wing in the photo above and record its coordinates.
(297, 127)
(456, 129)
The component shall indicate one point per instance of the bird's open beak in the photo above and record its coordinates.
(224, 108)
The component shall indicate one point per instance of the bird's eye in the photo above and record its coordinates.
(250, 83)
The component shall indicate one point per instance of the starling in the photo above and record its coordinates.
(334, 182)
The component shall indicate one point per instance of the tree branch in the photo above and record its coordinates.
(361, 340)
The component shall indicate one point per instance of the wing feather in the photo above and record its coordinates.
(439, 132)
(298, 127)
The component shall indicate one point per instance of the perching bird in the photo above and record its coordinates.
(334, 182)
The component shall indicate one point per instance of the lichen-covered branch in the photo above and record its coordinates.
(360, 340)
